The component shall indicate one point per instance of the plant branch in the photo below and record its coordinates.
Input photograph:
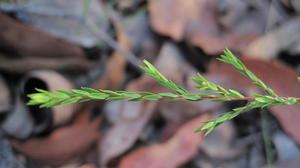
(217, 93)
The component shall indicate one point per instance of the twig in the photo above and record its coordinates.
(217, 94)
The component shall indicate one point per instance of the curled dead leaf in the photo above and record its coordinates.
(63, 144)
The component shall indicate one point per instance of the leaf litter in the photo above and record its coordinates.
(100, 44)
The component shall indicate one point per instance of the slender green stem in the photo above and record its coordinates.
(216, 93)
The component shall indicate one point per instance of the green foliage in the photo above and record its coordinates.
(242, 69)
(44, 98)
(156, 75)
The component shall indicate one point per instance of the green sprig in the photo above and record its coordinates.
(44, 98)
(242, 69)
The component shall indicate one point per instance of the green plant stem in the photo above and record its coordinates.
(179, 97)
(216, 93)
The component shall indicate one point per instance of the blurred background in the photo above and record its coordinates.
(65, 44)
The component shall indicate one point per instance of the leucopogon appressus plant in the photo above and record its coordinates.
(217, 93)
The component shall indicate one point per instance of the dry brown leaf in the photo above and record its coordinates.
(32, 42)
(173, 153)
(72, 20)
(220, 142)
(284, 38)
(28, 64)
(125, 133)
(133, 117)
(195, 21)
(246, 16)
(281, 78)
(63, 144)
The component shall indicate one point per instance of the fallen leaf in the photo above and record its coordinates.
(124, 134)
(284, 38)
(246, 16)
(63, 144)
(195, 21)
(286, 148)
(29, 64)
(132, 118)
(173, 153)
(219, 143)
(28, 41)
(67, 19)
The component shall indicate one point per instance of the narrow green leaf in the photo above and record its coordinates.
(109, 92)
(58, 95)
(220, 99)
(236, 93)
(32, 102)
(192, 97)
(131, 95)
(170, 99)
(212, 86)
(291, 100)
(149, 65)
(71, 100)
(206, 125)
(279, 99)
(209, 130)
(42, 90)
(145, 93)
(152, 97)
(197, 80)
(80, 92)
(39, 97)
(51, 103)
(84, 100)
(263, 99)
(222, 89)
(136, 99)
(116, 98)
(206, 95)
(167, 94)
(65, 92)
(98, 96)
(90, 90)
(204, 88)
